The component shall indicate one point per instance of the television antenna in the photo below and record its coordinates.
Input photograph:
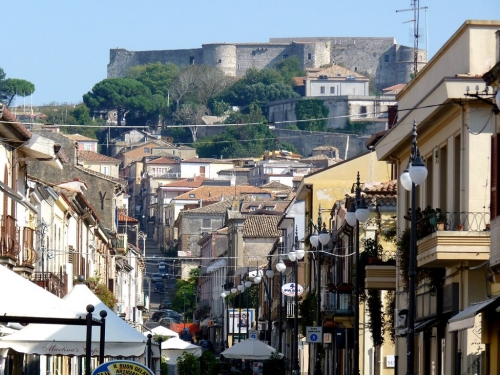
(415, 7)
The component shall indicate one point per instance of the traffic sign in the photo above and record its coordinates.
(253, 334)
(314, 334)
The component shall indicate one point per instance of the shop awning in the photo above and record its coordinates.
(465, 319)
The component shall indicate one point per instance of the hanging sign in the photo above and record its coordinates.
(289, 289)
(122, 367)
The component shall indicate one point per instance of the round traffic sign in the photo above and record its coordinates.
(314, 337)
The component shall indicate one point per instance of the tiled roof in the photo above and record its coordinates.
(299, 81)
(164, 160)
(335, 71)
(261, 226)
(207, 160)
(275, 185)
(297, 178)
(316, 157)
(277, 206)
(396, 88)
(94, 156)
(128, 219)
(188, 182)
(325, 148)
(390, 187)
(214, 208)
(206, 192)
(78, 137)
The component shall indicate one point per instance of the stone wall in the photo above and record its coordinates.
(386, 61)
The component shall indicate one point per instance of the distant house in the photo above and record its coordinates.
(99, 163)
(83, 143)
(204, 167)
(335, 81)
(155, 148)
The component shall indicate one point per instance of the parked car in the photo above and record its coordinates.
(174, 315)
(165, 304)
(206, 345)
(157, 315)
(166, 321)
(160, 287)
(156, 277)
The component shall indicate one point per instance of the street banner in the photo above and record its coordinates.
(239, 322)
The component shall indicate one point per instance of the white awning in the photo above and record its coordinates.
(216, 265)
(465, 319)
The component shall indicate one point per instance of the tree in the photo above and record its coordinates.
(12, 87)
(190, 113)
(290, 68)
(185, 293)
(310, 109)
(157, 77)
(188, 364)
(120, 94)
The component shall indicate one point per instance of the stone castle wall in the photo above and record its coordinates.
(383, 59)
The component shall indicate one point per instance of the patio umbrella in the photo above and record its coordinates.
(250, 349)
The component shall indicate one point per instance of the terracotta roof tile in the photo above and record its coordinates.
(125, 218)
(164, 160)
(214, 208)
(275, 185)
(188, 182)
(325, 148)
(332, 72)
(274, 206)
(94, 156)
(207, 160)
(261, 226)
(297, 178)
(390, 187)
(78, 137)
(206, 192)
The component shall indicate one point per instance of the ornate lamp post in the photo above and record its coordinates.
(316, 239)
(280, 267)
(294, 256)
(358, 213)
(414, 174)
(269, 275)
(225, 308)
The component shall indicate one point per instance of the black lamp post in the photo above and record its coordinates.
(294, 256)
(225, 309)
(280, 267)
(358, 213)
(316, 239)
(414, 174)
(269, 275)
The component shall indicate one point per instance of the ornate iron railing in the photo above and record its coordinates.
(56, 284)
(338, 303)
(467, 221)
(29, 254)
(10, 237)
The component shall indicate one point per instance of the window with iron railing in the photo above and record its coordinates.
(10, 236)
(29, 254)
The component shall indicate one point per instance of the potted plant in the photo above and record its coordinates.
(373, 251)
(440, 219)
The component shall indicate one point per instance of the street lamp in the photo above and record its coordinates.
(280, 267)
(142, 236)
(358, 213)
(414, 174)
(316, 239)
(294, 256)
(184, 298)
(269, 275)
(225, 308)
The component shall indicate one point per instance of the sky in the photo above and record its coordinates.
(62, 47)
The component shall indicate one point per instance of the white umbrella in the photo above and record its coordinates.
(23, 298)
(162, 331)
(250, 349)
(174, 348)
(121, 339)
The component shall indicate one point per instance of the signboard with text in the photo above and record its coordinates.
(239, 322)
(289, 289)
(122, 367)
(314, 334)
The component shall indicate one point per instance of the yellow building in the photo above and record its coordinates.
(454, 122)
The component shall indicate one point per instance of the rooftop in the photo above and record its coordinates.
(206, 192)
(79, 138)
(94, 156)
(261, 226)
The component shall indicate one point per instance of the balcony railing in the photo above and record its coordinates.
(10, 237)
(29, 254)
(337, 303)
(165, 175)
(56, 284)
(463, 221)
(290, 309)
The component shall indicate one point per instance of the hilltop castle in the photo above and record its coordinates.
(389, 63)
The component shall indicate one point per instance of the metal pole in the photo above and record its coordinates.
(102, 342)
(239, 317)
(412, 273)
(317, 370)
(88, 343)
(150, 350)
(232, 336)
(280, 349)
(355, 366)
(295, 348)
(248, 315)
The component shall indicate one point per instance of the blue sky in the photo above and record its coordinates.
(63, 46)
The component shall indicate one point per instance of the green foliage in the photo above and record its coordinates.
(390, 307)
(311, 109)
(163, 366)
(307, 310)
(290, 68)
(356, 127)
(185, 294)
(209, 364)
(287, 146)
(157, 77)
(376, 321)
(274, 366)
(12, 87)
(122, 95)
(257, 87)
(188, 364)
(105, 295)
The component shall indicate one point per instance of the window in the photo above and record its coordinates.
(206, 223)
(192, 196)
(252, 208)
(202, 171)
(147, 150)
(219, 61)
(322, 89)
(332, 90)
(191, 60)
(269, 208)
(363, 111)
(87, 146)
(309, 56)
(355, 68)
(386, 58)
(106, 170)
(285, 57)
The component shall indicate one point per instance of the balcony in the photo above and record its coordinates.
(465, 237)
(121, 243)
(9, 245)
(338, 306)
(380, 277)
(51, 282)
(290, 309)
